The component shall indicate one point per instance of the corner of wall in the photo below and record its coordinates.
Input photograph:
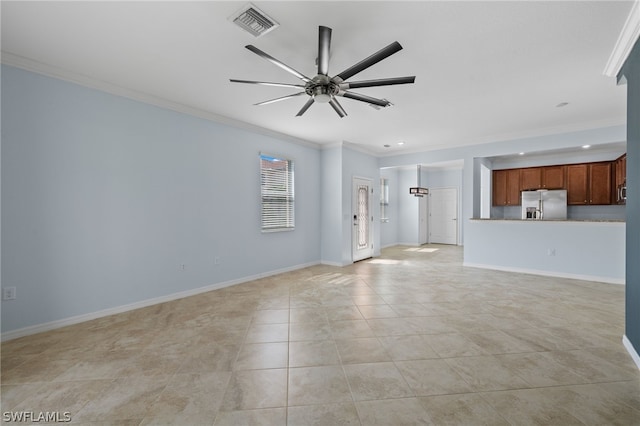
(632, 351)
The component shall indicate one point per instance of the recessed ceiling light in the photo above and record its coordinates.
(586, 146)
(521, 153)
(562, 104)
(400, 143)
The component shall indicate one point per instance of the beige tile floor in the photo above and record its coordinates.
(412, 337)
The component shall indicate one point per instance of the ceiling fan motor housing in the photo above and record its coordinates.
(321, 88)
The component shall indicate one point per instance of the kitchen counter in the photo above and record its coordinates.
(548, 221)
(592, 250)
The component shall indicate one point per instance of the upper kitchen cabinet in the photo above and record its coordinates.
(597, 183)
(548, 177)
(506, 187)
(600, 183)
(620, 182)
(577, 184)
(531, 178)
(621, 169)
(589, 183)
(553, 177)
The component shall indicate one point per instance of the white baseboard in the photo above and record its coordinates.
(331, 263)
(47, 326)
(608, 280)
(632, 351)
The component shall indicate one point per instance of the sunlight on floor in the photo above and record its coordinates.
(422, 250)
(385, 261)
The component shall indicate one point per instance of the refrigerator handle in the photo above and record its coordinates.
(541, 209)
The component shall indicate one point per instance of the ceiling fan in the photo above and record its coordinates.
(325, 89)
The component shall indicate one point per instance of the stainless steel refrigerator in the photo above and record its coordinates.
(544, 205)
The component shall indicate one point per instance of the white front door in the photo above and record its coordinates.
(443, 215)
(362, 244)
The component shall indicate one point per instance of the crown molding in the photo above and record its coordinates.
(103, 86)
(628, 36)
(359, 148)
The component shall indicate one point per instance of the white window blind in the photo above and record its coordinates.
(276, 189)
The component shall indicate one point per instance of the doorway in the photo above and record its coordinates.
(443, 215)
(362, 235)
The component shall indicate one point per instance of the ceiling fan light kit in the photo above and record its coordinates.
(325, 89)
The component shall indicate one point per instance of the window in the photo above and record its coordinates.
(276, 190)
(384, 199)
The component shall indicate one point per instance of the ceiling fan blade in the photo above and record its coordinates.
(371, 60)
(337, 107)
(280, 99)
(378, 82)
(277, 63)
(364, 98)
(324, 48)
(266, 83)
(305, 107)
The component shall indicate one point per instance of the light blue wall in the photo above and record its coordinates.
(103, 199)
(408, 208)
(583, 156)
(478, 164)
(583, 250)
(603, 135)
(331, 206)
(358, 164)
(340, 165)
(631, 71)
(448, 178)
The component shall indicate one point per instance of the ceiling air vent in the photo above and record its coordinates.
(253, 20)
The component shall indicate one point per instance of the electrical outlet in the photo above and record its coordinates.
(551, 252)
(216, 260)
(183, 267)
(9, 293)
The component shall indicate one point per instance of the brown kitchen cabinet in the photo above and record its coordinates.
(506, 187)
(589, 183)
(553, 177)
(600, 183)
(620, 181)
(577, 184)
(621, 170)
(531, 178)
(548, 177)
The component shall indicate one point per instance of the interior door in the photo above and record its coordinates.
(443, 215)
(362, 235)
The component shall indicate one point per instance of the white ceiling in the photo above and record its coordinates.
(485, 71)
